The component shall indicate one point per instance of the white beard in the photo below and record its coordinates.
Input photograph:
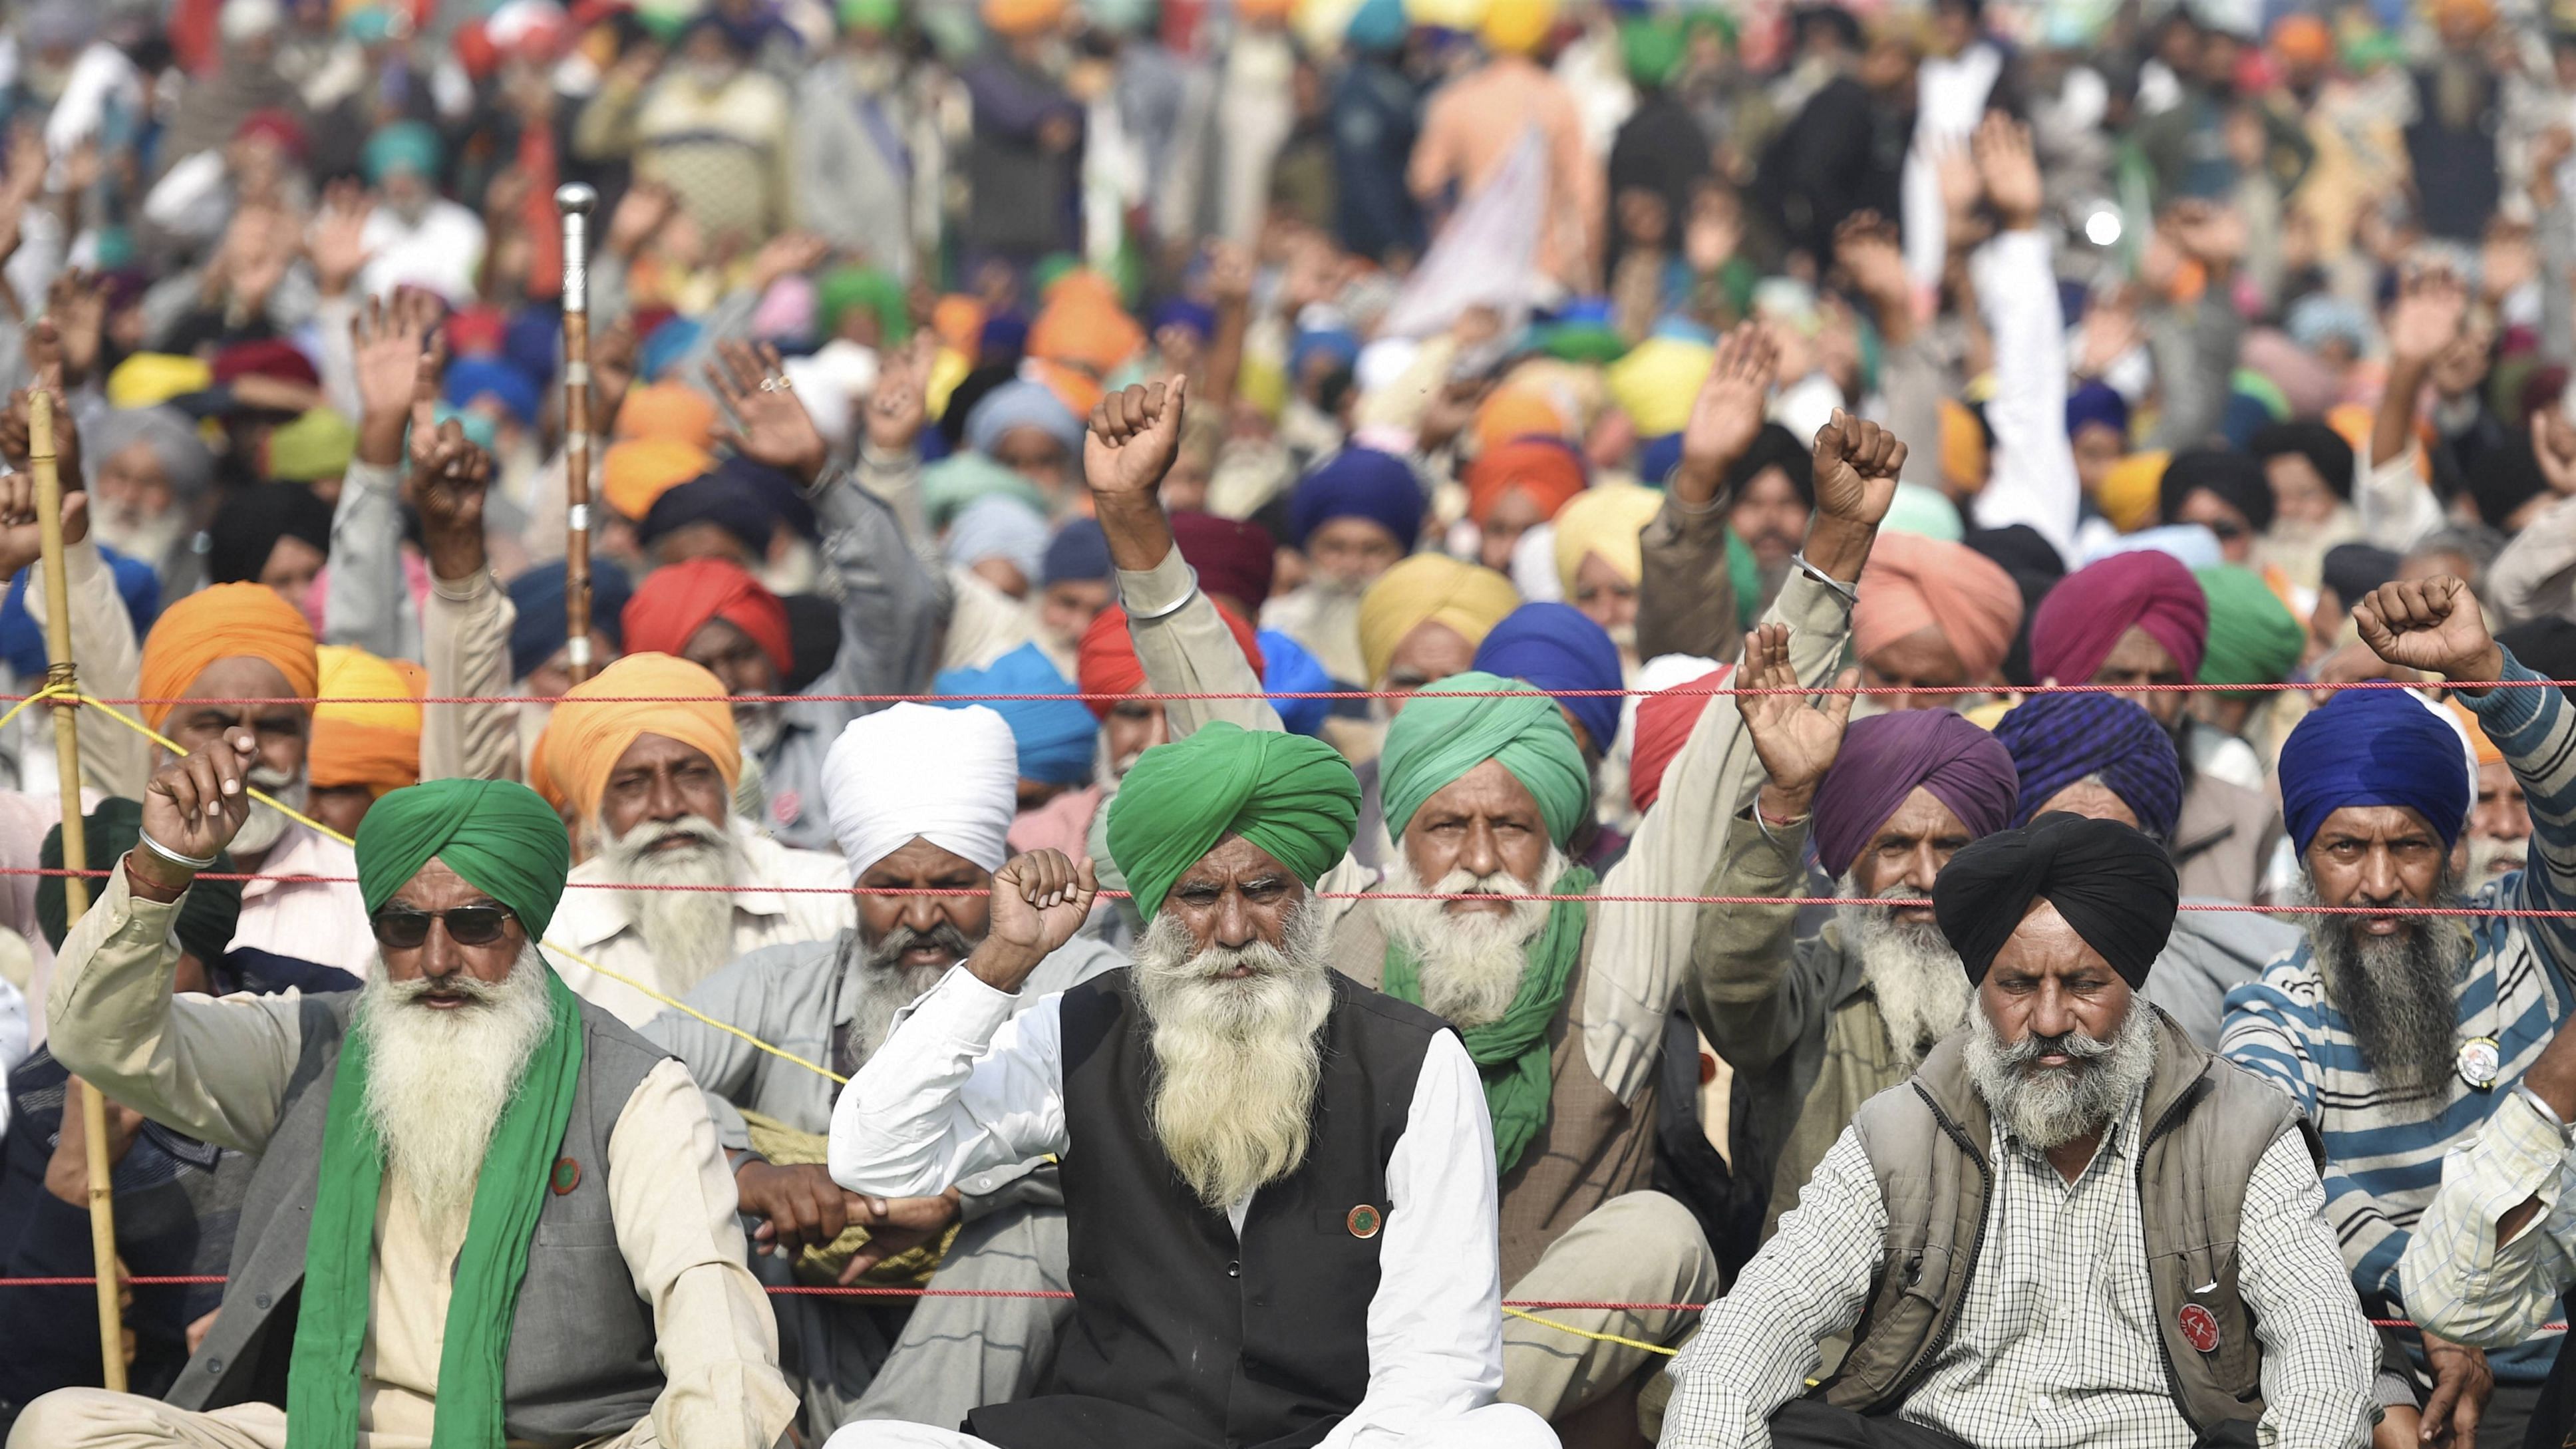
(437, 1080)
(690, 933)
(264, 828)
(1922, 989)
(150, 540)
(1238, 1060)
(1470, 963)
(759, 726)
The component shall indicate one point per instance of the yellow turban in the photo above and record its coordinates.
(226, 621)
(1430, 588)
(376, 745)
(1518, 27)
(148, 379)
(1655, 383)
(640, 470)
(1606, 521)
(2128, 495)
(583, 741)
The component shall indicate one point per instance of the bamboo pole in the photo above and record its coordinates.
(576, 202)
(59, 675)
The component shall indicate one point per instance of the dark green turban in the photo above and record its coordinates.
(1442, 735)
(206, 916)
(1291, 795)
(2253, 637)
(501, 836)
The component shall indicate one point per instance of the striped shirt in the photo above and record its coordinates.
(2385, 1147)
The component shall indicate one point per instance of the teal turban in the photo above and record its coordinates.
(1291, 795)
(402, 146)
(1442, 735)
(501, 836)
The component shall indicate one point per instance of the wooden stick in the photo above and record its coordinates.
(576, 202)
(59, 675)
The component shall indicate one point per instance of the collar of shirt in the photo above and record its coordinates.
(300, 851)
(590, 917)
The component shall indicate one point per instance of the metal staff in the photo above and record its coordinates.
(576, 202)
(59, 675)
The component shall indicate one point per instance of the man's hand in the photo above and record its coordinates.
(799, 1207)
(1727, 414)
(1795, 741)
(785, 255)
(337, 244)
(1135, 435)
(195, 805)
(396, 358)
(1038, 901)
(2008, 170)
(641, 213)
(2430, 308)
(1856, 463)
(896, 1226)
(21, 535)
(76, 305)
(447, 489)
(1867, 248)
(2431, 624)
(2462, 1383)
(67, 1171)
(776, 430)
(899, 405)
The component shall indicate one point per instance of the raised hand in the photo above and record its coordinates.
(337, 244)
(1795, 741)
(17, 424)
(448, 485)
(2007, 169)
(899, 405)
(1038, 901)
(1856, 464)
(21, 534)
(2431, 305)
(1230, 274)
(785, 255)
(391, 346)
(1727, 414)
(195, 805)
(2431, 624)
(641, 214)
(776, 430)
(1867, 248)
(1135, 435)
(76, 304)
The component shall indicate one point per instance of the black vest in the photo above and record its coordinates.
(1182, 1337)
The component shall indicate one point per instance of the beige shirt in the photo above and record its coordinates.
(465, 644)
(218, 1071)
(600, 924)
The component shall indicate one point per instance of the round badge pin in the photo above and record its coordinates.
(2481, 1058)
(1364, 1221)
(2199, 1326)
(565, 1177)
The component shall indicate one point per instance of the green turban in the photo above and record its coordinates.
(206, 917)
(1443, 734)
(1653, 46)
(867, 287)
(2253, 638)
(1291, 795)
(501, 836)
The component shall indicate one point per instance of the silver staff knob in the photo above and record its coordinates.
(574, 199)
(576, 202)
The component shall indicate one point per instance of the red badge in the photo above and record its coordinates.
(565, 1177)
(2198, 1325)
(1363, 1221)
(788, 806)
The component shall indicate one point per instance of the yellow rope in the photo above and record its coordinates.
(575, 957)
(50, 691)
(1588, 1333)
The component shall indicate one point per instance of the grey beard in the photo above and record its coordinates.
(2395, 992)
(884, 985)
(759, 726)
(1470, 966)
(438, 1080)
(2490, 858)
(1921, 988)
(263, 828)
(1237, 1061)
(150, 540)
(689, 933)
(2052, 1106)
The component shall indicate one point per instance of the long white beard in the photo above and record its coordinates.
(1921, 988)
(1470, 963)
(265, 827)
(147, 539)
(1238, 1059)
(2053, 1106)
(437, 1080)
(690, 933)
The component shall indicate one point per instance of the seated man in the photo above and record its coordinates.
(1279, 1184)
(2399, 1035)
(1565, 1006)
(921, 799)
(481, 1209)
(2148, 1260)
(653, 788)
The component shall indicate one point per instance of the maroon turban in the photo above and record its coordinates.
(2082, 619)
(1234, 559)
(1886, 756)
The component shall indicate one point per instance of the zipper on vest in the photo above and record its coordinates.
(2164, 1350)
(1976, 1246)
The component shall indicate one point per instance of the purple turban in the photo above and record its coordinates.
(2059, 739)
(1886, 756)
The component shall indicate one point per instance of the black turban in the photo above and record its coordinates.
(2115, 886)
(2322, 446)
(2237, 480)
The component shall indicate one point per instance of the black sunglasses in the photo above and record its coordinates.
(404, 930)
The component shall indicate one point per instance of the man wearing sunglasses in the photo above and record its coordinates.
(482, 1209)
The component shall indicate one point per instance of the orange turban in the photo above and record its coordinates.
(583, 741)
(226, 621)
(673, 604)
(1912, 581)
(1515, 411)
(375, 745)
(1083, 331)
(672, 411)
(1546, 469)
(1016, 18)
(1107, 662)
(958, 321)
(640, 470)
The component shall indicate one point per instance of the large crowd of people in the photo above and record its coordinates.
(1346, 723)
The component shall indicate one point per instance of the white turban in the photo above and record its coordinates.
(948, 776)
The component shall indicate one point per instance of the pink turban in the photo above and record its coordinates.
(2082, 619)
(1912, 581)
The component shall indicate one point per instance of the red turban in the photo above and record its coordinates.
(1107, 663)
(674, 603)
(269, 358)
(1233, 559)
(2082, 619)
(1664, 723)
(1544, 468)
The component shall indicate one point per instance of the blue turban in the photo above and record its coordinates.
(538, 595)
(998, 525)
(2059, 739)
(710, 499)
(1288, 669)
(1657, 459)
(2373, 747)
(1021, 404)
(406, 146)
(533, 341)
(1197, 317)
(2097, 402)
(1056, 736)
(1553, 647)
(1079, 552)
(1359, 483)
(665, 345)
(1338, 343)
(469, 378)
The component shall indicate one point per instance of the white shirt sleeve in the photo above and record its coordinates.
(1435, 1325)
(960, 1086)
(2033, 480)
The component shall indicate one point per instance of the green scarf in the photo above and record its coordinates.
(331, 1325)
(1510, 1052)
